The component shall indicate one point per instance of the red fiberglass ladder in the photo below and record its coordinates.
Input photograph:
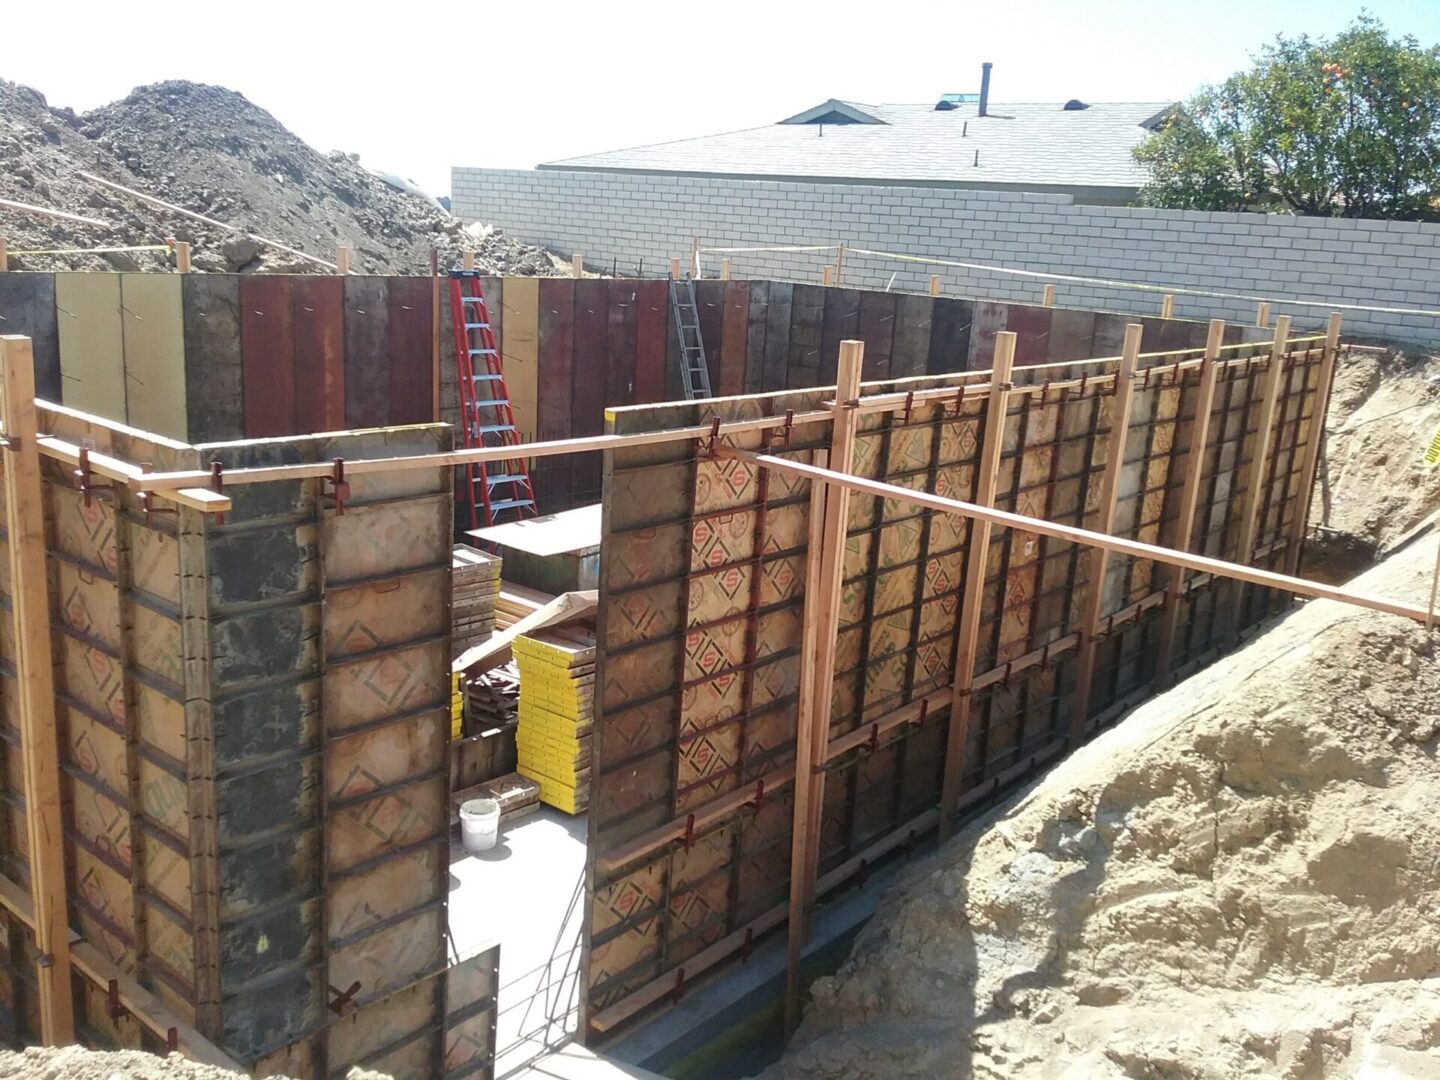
(496, 491)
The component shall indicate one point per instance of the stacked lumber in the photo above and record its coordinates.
(557, 710)
(475, 587)
(516, 794)
(494, 698)
(516, 602)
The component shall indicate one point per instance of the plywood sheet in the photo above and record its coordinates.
(910, 352)
(367, 351)
(520, 350)
(267, 345)
(27, 306)
(877, 330)
(950, 336)
(652, 320)
(757, 324)
(841, 323)
(319, 321)
(710, 305)
(154, 352)
(733, 340)
(620, 345)
(214, 370)
(92, 354)
(557, 364)
(409, 335)
(587, 380)
(777, 336)
(807, 312)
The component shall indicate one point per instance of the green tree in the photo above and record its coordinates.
(1348, 126)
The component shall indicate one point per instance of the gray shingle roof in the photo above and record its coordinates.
(1039, 145)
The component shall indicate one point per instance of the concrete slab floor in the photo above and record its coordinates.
(525, 894)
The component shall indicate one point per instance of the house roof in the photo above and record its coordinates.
(1018, 145)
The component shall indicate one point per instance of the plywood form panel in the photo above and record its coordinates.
(27, 304)
(367, 351)
(154, 341)
(587, 380)
(519, 300)
(214, 369)
(409, 345)
(950, 336)
(757, 325)
(652, 323)
(841, 323)
(914, 319)
(267, 344)
(551, 477)
(92, 356)
(733, 340)
(774, 374)
(807, 313)
(877, 330)
(318, 313)
(620, 346)
(710, 305)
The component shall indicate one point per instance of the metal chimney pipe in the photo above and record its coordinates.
(985, 88)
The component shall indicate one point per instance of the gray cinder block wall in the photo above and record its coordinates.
(641, 221)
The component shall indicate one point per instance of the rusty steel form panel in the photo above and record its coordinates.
(703, 584)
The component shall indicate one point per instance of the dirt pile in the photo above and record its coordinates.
(77, 1063)
(210, 150)
(1241, 879)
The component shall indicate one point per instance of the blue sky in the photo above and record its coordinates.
(512, 84)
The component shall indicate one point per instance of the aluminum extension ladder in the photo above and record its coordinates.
(694, 371)
(497, 491)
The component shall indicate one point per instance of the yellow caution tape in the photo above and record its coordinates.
(1432, 452)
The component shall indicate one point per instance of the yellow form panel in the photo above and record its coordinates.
(520, 350)
(92, 357)
(154, 352)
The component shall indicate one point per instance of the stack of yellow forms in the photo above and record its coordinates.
(557, 711)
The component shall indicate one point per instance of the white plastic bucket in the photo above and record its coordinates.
(479, 824)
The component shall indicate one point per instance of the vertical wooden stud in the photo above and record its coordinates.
(829, 516)
(1189, 499)
(182, 256)
(1262, 314)
(1167, 306)
(1250, 506)
(967, 627)
(827, 274)
(342, 260)
(1316, 437)
(675, 269)
(467, 260)
(695, 257)
(934, 284)
(840, 265)
(724, 269)
(577, 266)
(34, 681)
(1048, 298)
(1098, 557)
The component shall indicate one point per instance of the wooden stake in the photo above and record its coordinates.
(1048, 299)
(724, 269)
(695, 257)
(1264, 437)
(342, 260)
(4, 255)
(34, 680)
(1189, 499)
(182, 256)
(675, 269)
(840, 265)
(577, 265)
(1313, 442)
(827, 274)
(1167, 306)
(1098, 558)
(831, 507)
(467, 260)
(1262, 314)
(1434, 585)
(967, 627)
(934, 284)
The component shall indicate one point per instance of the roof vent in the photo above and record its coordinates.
(945, 106)
(1074, 105)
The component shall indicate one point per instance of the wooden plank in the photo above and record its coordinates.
(807, 314)
(757, 321)
(977, 558)
(841, 321)
(409, 348)
(1189, 498)
(214, 370)
(519, 299)
(267, 348)
(620, 343)
(1315, 438)
(318, 315)
(556, 363)
(367, 351)
(914, 323)
(34, 678)
(777, 336)
(950, 336)
(154, 342)
(1098, 558)
(877, 330)
(27, 306)
(652, 320)
(92, 355)
(733, 340)
(587, 380)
